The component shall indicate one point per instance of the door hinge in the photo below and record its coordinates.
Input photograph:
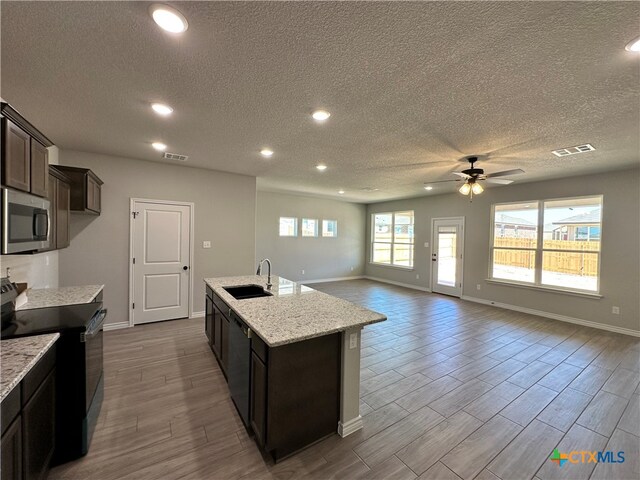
(134, 260)
(133, 305)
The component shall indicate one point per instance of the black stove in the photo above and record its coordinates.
(79, 379)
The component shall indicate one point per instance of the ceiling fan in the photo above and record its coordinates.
(473, 175)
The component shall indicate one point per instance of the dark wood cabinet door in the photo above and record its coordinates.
(53, 198)
(258, 403)
(93, 194)
(16, 157)
(63, 210)
(208, 320)
(39, 169)
(38, 422)
(224, 340)
(11, 450)
(217, 332)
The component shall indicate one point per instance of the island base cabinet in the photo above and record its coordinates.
(11, 449)
(296, 401)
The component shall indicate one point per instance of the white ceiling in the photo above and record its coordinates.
(412, 87)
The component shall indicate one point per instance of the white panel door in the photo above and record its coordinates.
(161, 270)
(446, 256)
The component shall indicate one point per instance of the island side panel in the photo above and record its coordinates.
(350, 419)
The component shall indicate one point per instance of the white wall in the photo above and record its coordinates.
(620, 257)
(99, 253)
(39, 270)
(320, 258)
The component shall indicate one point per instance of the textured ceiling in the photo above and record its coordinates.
(412, 87)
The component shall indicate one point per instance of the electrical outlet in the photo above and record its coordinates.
(615, 310)
(426, 244)
(352, 269)
(478, 287)
(46, 260)
(353, 340)
(302, 272)
(206, 244)
(417, 276)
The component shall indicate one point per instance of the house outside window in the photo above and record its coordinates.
(309, 227)
(550, 243)
(393, 238)
(329, 228)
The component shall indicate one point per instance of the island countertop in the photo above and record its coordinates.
(57, 297)
(294, 312)
(18, 356)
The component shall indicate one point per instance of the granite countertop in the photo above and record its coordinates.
(18, 356)
(295, 312)
(57, 297)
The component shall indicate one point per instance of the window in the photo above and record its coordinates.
(309, 227)
(288, 227)
(392, 238)
(551, 243)
(329, 228)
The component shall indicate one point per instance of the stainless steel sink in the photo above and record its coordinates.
(243, 292)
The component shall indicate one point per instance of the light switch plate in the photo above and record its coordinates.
(206, 244)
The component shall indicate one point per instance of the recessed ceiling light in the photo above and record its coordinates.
(159, 146)
(266, 152)
(168, 18)
(320, 115)
(162, 109)
(428, 187)
(321, 167)
(633, 45)
(341, 192)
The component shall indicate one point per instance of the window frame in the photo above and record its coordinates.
(315, 230)
(539, 249)
(295, 227)
(335, 232)
(393, 243)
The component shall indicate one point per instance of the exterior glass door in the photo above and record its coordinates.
(446, 256)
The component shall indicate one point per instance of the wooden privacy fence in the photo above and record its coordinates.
(582, 262)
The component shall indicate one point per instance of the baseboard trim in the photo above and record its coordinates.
(555, 316)
(325, 280)
(400, 284)
(115, 326)
(349, 427)
(197, 314)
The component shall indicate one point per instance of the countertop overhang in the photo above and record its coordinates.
(61, 296)
(294, 312)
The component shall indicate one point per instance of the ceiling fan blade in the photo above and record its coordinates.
(460, 174)
(504, 173)
(443, 181)
(498, 181)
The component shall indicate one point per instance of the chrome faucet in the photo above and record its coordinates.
(259, 271)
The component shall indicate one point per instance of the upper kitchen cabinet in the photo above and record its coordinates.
(60, 198)
(86, 189)
(25, 158)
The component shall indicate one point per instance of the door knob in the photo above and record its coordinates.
(185, 268)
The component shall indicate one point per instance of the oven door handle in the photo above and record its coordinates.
(97, 324)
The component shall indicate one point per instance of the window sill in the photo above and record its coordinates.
(577, 293)
(396, 267)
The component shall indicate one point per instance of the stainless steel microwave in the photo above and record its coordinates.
(25, 222)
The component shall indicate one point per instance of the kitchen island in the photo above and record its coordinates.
(291, 356)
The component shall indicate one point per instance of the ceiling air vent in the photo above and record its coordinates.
(175, 156)
(563, 152)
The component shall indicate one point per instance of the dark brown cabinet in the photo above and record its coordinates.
(258, 402)
(38, 422)
(29, 423)
(25, 158)
(217, 328)
(59, 214)
(39, 169)
(86, 189)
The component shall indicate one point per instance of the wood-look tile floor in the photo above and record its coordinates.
(449, 389)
